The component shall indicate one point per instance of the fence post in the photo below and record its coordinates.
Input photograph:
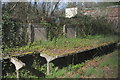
(64, 30)
(75, 32)
(30, 33)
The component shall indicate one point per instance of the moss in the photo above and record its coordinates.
(64, 46)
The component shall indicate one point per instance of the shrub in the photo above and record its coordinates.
(87, 25)
(12, 33)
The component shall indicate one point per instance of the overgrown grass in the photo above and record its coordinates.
(109, 61)
(112, 61)
(90, 71)
(65, 43)
(63, 71)
(57, 74)
(98, 71)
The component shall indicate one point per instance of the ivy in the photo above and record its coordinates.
(10, 31)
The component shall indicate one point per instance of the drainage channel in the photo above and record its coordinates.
(16, 63)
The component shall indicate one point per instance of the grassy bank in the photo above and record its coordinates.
(100, 67)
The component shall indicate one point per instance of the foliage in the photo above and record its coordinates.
(10, 31)
(99, 73)
(113, 60)
(84, 25)
(61, 72)
(44, 23)
(107, 4)
(76, 76)
(54, 31)
(87, 25)
(74, 71)
(16, 13)
(107, 61)
(57, 74)
(77, 66)
(90, 71)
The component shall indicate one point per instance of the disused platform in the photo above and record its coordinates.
(72, 57)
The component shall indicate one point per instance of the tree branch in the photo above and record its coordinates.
(13, 6)
(54, 8)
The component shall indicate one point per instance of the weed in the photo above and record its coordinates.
(99, 73)
(74, 70)
(43, 68)
(77, 66)
(90, 71)
(105, 63)
(76, 76)
(111, 61)
(58, 73)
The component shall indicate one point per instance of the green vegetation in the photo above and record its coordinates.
(63, 44)
(91, 32)
(89, 69)
(57, 74)
(87, 25)
(61, 72)
(99, 73)
(112, 61)
(107, 67)
(107, 4)
(15, 32)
